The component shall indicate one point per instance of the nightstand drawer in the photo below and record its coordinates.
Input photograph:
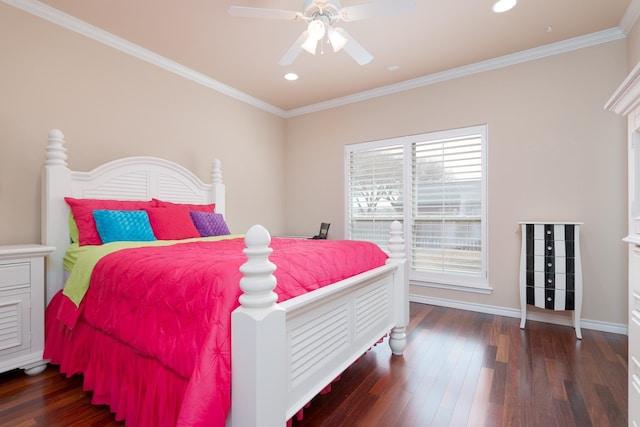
(14, 275)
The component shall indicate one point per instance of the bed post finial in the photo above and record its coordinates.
(258, 341)
(55, 184)
(258, 282)
(216, 172)
(218, 187)
(398, 337)
(56, 152)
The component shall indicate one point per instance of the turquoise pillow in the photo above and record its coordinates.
(117, 226)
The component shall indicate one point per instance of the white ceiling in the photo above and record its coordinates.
(438, 38)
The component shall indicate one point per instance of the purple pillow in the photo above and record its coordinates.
(209, 224)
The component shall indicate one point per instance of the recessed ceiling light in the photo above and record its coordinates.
(291, 76)
(394, 68)
(504, 5)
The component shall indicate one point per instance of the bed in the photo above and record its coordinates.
(284, 349)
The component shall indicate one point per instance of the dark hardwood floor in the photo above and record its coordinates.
(460, 368)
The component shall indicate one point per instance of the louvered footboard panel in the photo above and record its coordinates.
(327, 334)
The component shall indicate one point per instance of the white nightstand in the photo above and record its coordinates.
(22, 304)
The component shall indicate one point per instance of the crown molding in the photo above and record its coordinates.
(467, 70)
(627, 96)
(630, 17)
(69, 22)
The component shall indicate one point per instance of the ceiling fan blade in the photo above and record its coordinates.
(294, 50)
(377, 9)
(355, 49)
(257, 12)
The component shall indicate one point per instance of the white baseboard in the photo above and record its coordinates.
(555, 319)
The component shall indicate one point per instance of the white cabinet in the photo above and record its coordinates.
(551, 269)
(634, 332)
(22, 307)
(634, 329)
(626, 101)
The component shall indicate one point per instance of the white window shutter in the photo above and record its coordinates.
(375, 193)
(443, 206)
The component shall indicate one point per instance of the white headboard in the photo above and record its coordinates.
(131, 178)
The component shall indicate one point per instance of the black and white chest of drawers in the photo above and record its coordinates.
(551, 269)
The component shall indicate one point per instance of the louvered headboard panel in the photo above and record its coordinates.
(141, 178)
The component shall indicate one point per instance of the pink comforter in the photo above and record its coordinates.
(173, 305)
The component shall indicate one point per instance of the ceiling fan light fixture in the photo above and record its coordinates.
(337, 39)
(316, 29)
(310, 45)
(504, 5)
(320, 16)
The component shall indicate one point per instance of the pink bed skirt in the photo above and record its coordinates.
(137, 389)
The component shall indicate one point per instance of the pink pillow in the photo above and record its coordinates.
(188, 206)
(172, 223)
(82, 210)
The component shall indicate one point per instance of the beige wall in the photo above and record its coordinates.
(633, 46)
(111, 105)
(554, 154)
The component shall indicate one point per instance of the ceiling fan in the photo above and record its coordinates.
(321, 16)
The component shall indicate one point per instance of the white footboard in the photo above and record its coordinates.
(285, 354)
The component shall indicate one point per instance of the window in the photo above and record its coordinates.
(375, 192)
(435, 184)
